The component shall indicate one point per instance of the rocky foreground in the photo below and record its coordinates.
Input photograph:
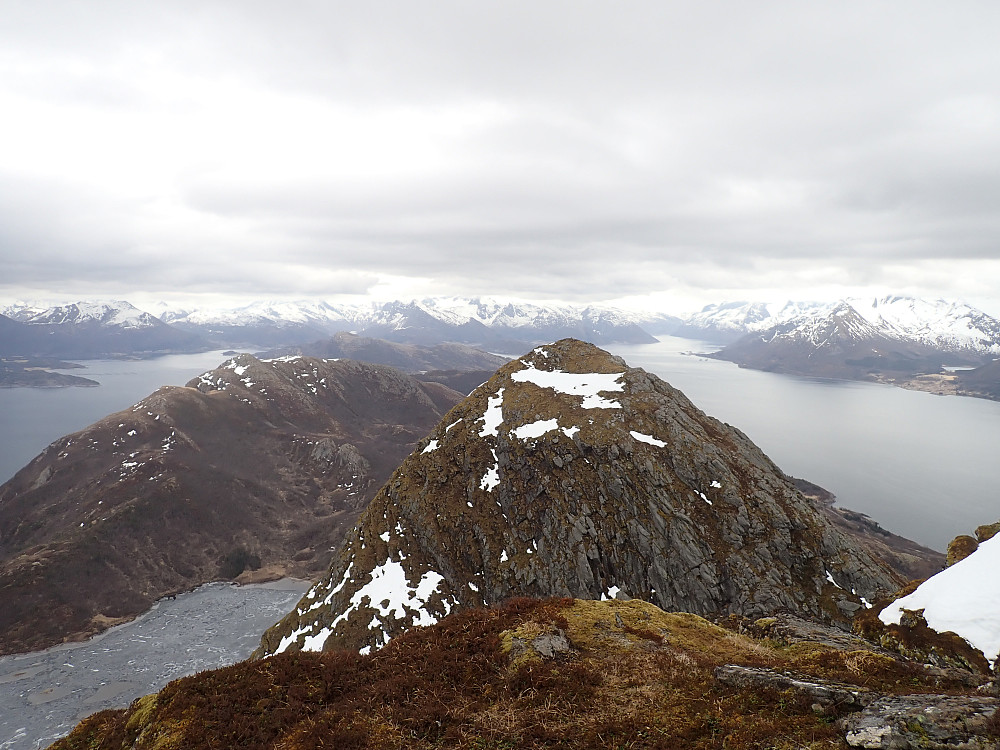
(575, 673)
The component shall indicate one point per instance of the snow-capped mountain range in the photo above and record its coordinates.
(496, 324)
(952, 327)
(89, 330)
(111, 314)
(504, 326)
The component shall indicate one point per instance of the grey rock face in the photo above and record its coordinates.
(570, 474)
(934, 722)
(826, 695)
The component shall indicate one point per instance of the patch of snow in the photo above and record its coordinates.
(384, 536)
(703, 497)
(716, 484)
(448, 428)
(503, 556)
(647, 439)
(493, 416)
(589, 384)
(829, 577)
(612, 593)
(492, 476)
(570, 431)
(963, 598)
(535, 429)
(431, 446)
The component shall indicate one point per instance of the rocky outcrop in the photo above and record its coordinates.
(571, 474)
(931, 722)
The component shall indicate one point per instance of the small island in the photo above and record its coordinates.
(38, 373)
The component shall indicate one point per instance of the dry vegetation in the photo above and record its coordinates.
(620, 675)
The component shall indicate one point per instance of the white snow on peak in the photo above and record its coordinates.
(390, 594)
(492, 476)
(963, 598)
(431, 446)
(111, 314)
(647, 439)
(535, 429)
(493, 416)
(587, 384)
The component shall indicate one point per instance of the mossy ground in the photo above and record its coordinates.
(632, 677)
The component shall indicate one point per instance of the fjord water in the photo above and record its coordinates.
(921, 465)
(31, 418)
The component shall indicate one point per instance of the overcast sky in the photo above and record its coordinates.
(660, 152)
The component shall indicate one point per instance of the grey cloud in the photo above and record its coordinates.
(621, 149)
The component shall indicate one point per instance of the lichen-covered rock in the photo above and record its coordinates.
(571, 474)
(931, 722)
(827, 696)
(960, 548)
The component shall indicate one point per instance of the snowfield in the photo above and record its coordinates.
(964, 599)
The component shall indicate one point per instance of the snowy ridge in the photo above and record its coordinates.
(398, 315)
(948, 326)
(111, 314)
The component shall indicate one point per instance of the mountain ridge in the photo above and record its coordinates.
(251, 465)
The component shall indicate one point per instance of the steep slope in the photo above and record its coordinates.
(255, 464)
(87, 330)
(953, 327)
(405, 357)
(570, 474)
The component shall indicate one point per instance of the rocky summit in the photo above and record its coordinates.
(571, 474)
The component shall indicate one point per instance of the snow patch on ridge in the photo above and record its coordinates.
(389, 593)
(535, 429)
(647, 439)
(964, 599)
(493, 416)
(492, 476)
(587, 384)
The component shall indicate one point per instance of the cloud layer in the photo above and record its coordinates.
(575, 150)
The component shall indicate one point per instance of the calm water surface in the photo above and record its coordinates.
(923, 466)
(31, 418)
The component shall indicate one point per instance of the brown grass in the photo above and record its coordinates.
(635, 677)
